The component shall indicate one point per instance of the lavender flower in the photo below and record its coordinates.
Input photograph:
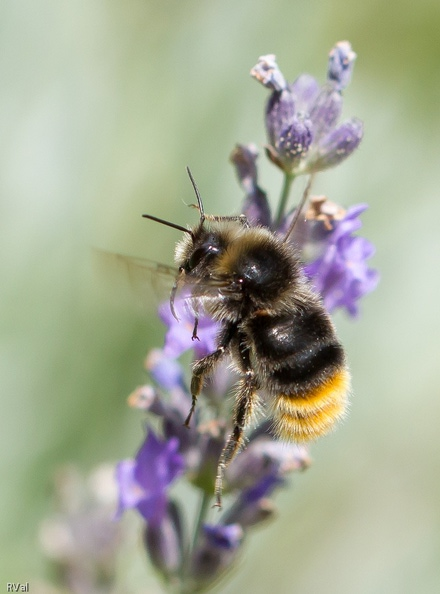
(143, 482)
(341, 274)
(301, 117)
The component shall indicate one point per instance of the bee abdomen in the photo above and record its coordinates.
(296, 349)
(304, 371)
(307, 416)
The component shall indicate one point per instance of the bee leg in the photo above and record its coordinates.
(246, 401)
(242, 219)
(245, 404)
(205, 366)
(201, 368)
(196, 325)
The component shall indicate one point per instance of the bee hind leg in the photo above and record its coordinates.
(246, 403)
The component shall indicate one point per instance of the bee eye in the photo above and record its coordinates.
(194, 259)
(205, 252)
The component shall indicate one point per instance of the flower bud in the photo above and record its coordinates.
(217, 550)
(294, 142)
(256, 207)
(267, 72)
(305, 90)
(250, 515)
(340, 65)
(337, 145)
(326, 111)
(280, 111)
(164, 542)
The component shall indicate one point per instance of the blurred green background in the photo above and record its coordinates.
(103, 104)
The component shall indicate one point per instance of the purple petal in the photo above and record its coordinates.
(215, 553)
(349, 224)
(305, 90)
(153, 508)
(166, 371)
(256, 207)
(143, 482)
(244, 157)
(280, 112)
(264, 456)
(130, 492)
(338, 145)
(158, 463)
(325, 112)
(227, 537)
(341, 274)
(263, 488)
(164, 541)
(294, 141)
(354, 211)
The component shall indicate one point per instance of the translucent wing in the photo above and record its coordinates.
(152, 282)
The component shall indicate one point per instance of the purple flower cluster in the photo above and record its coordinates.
(340, 274)
(304, 138)
(301, 117)
(144, 482)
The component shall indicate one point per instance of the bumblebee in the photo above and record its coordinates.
(274, 328)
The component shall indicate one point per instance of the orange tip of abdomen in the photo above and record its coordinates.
(314, 413)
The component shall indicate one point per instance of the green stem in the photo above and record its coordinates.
(185, 586)
(203, 509)
(288, 180)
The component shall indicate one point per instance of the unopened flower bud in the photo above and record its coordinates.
(267, 72)
(340, 65)
(164, 542)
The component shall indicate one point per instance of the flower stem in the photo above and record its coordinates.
(203, 509)
(186, 587)
(288, 180)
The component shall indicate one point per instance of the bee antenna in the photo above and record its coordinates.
(299, 208)
(197, 193)
(168, 224)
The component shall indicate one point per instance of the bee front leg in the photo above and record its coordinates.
(201, 369)
(204, 367)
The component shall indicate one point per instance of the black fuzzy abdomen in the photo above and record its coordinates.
(297, 350)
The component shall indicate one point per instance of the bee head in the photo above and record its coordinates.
(195, 254)
(200, 245)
